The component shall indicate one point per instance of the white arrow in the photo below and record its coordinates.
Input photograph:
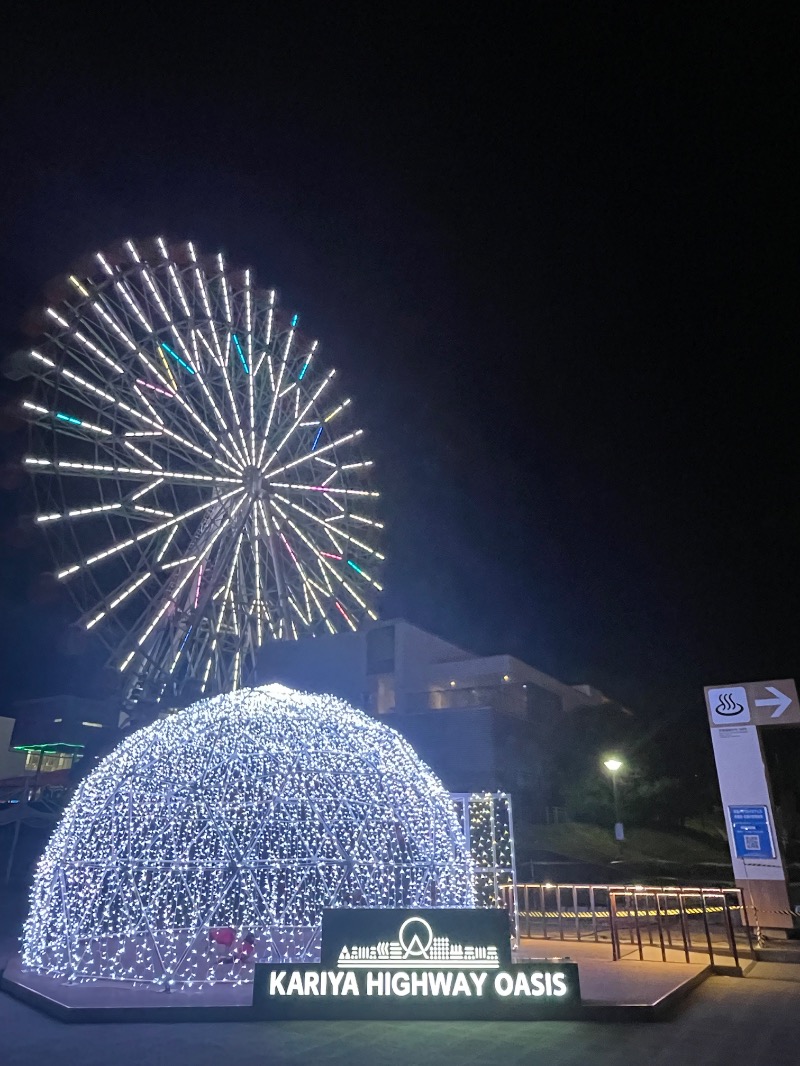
(780, 703)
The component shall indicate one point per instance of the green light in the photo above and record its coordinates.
(48, 749)
(68, 418)
(357, 569)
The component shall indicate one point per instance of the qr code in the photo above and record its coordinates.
(752, 842)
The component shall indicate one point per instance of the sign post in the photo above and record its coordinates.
(736, 712)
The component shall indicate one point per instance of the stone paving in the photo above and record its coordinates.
(752, 1021)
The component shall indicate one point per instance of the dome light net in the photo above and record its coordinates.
(252, 812)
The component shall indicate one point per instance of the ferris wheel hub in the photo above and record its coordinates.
(253, 481)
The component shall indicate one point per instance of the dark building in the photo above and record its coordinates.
(483, 723)
(57, 732)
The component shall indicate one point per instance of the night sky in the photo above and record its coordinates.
(554, 261)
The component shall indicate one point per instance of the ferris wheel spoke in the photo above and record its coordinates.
(316, 453)
(251, 405)
(177, 286)
(170, 599)
(223, 283)
(265, 355)
(327, 567)
(365, 547)
(299, 416)
(151, 420)
(214, 356)
(345, 615)
(70, 421)
(326, 490)
(348, 587)
(102, 309)
(150, 487)
(141, 455)
(162, 551)
(78, 512)
(277, 566)
(234, 409)
(336, 411)
(156, 419)
(279, 380)
(217, 619)
(257, 566)
(77, 468)
(223, 425)
(307, 514)
(115, 327)
(207, 432)
(122, 593)
(270, 320)
(108, 322)
(308, 589)
(118, 547)
(200, 283)
(185, 357)
(293, 604)
(81, 336)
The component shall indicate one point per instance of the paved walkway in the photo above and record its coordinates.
(630, 981)
(751, 1021)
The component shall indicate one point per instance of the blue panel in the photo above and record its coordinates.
(752, 838)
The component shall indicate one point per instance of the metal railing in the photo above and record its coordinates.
(639, 920)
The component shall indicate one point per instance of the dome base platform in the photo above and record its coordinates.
(116, 1001)
(612, 991)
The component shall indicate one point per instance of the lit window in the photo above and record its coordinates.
(47, 762)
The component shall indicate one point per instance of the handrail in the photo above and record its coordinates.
(657, 919)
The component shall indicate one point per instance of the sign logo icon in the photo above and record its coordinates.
(417, 947)
(413, 942)
(729, 706)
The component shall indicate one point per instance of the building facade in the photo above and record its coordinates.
(55, 733)
(483, 723)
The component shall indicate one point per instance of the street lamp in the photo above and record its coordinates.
(614, 765)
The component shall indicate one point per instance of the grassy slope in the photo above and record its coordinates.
(591, 843)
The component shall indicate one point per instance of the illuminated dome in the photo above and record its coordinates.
(251, 812)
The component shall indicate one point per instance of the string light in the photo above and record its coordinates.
(251, 811)
(486, 819)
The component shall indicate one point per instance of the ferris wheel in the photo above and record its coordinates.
(194, 471)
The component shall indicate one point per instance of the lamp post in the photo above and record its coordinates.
(614, 765)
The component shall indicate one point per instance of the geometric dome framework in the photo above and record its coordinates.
(253, 810)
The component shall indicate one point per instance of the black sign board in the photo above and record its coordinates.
(435, 964)
(364, 929)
